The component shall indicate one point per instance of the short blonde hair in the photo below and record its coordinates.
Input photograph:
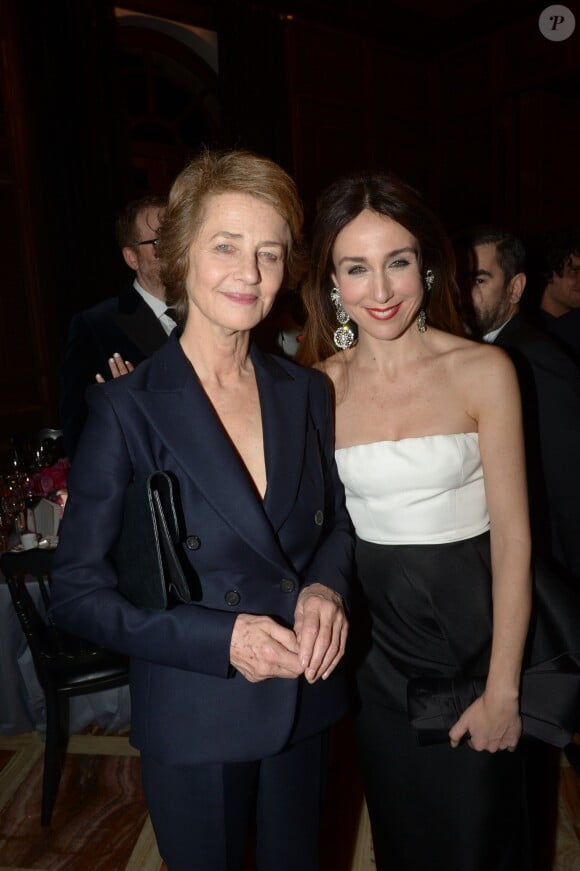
(222, 172)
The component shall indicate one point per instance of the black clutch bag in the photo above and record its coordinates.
(550, 689)
(145, 554)
(549, 703)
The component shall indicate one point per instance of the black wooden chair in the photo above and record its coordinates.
(65, 665)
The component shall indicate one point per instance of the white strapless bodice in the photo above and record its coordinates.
(422, 490)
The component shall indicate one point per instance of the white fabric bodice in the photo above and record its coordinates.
(423, 490)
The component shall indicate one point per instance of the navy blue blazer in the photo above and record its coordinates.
(188, 704)
(124, 324)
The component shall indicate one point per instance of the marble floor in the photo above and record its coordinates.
(100, 821)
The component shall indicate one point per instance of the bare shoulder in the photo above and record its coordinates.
(483, 375)
(476, 359)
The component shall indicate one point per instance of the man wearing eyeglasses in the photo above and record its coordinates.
(111, 338)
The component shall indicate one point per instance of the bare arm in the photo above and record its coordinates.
(493, 720)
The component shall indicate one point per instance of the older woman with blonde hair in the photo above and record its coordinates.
(232, 693)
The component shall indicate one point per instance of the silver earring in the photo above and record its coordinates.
(343, 336)
(422, 317)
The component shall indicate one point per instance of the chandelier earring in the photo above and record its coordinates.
(344, 336)
(422, 317)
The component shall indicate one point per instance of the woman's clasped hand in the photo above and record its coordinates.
(263, 649)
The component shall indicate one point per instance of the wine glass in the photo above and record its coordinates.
(12, 502)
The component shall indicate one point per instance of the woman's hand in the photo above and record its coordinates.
(117, 367)
(492, 724)
(321, 628)
(260, 649)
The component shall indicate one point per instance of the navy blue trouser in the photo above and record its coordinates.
(202, 814)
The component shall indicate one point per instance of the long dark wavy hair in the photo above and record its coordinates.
(386, 195)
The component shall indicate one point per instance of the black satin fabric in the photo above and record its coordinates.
(550, 688)
(429, 612)
(437, 809)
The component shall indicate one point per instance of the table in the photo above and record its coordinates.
(21, 697)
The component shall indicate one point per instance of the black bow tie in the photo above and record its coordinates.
(171, 313)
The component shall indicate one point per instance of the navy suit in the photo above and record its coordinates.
(188, 705)
(124, 324)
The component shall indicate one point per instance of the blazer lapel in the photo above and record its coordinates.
(179, 411)
(284, 420)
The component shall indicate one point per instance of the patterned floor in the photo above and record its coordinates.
(100, 821)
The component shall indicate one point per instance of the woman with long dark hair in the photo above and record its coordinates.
(429, 447)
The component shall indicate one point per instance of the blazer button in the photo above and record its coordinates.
(319, 518)
(232, 597)
(192, 542)
(287, 585)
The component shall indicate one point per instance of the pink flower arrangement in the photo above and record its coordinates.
(48, 482)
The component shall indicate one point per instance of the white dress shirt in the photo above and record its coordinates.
(158, 307)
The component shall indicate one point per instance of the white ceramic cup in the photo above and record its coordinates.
(28, 540)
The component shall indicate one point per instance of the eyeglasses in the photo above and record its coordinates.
(145, 242)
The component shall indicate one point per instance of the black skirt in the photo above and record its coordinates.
(430, 613)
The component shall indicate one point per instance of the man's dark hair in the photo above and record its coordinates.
(125, 229)
(554, 252)
(510, 251)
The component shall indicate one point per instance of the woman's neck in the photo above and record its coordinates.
(218, 356)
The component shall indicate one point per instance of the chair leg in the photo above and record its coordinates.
(54, 751)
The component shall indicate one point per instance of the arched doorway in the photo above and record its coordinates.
(169, 102)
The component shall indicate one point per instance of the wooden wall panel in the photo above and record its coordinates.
(529, 60)
(356, 105)
(328, 73)
(469, 190)
(549, 150)
(402, 117)
(466, 76)
(27, 390)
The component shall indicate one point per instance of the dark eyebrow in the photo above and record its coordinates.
(475, 273)
(394, 253)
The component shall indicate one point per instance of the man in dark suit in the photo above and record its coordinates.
(119, 333)
(493, 280)
(491, 265)
(556, 287)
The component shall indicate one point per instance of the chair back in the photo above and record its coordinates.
(65, 665)
(54, 652)
(44, 639)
